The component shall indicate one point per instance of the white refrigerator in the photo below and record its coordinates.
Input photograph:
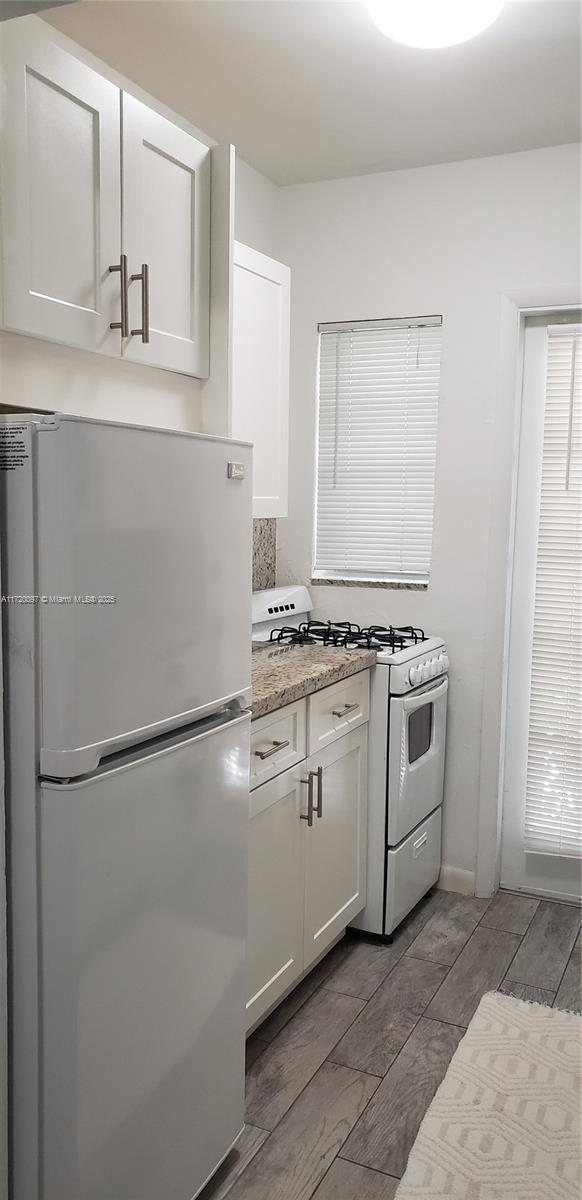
(126, 556)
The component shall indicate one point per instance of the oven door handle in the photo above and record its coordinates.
(428, 696)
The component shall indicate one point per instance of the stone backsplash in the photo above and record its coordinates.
(264, 553)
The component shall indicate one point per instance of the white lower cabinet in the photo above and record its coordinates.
(307, 866)
(275, 904)
(335, 846)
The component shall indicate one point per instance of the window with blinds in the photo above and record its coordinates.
(376, 454)
(553, 810)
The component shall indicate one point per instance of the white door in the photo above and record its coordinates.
(275, 910)
(260, 373)
(335, 844)
(60, 195)
(542, 795)
(142, 914)
(151, 519)
(416, 757)
(166, 227)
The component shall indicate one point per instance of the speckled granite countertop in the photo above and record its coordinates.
(283, 674)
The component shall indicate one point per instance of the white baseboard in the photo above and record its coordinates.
(453, 879)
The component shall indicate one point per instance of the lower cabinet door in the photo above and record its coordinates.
(276, 880)
(335, 844)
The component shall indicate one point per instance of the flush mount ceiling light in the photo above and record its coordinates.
(433, 23)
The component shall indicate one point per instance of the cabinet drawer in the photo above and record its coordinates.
(338, 709)
(278, 741)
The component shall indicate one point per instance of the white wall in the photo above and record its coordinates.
(33, 372)
(451, 239)
(256, 210)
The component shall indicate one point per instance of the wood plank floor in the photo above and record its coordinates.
(340, 1076)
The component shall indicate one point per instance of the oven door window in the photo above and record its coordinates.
(419, 732)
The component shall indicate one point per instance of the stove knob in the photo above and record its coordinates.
(433, 668)
(415, 676)
(424, 671)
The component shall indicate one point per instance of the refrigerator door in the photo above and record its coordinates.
(159, 523)
(143, 914)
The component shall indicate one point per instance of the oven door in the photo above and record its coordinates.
(416, 757)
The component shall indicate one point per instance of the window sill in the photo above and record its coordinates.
(397, 584)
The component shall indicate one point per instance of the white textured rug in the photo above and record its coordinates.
(505, 1123)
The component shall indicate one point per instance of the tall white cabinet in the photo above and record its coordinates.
(260, 373)
(77, 154)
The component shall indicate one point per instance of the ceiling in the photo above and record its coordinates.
(9, 9)
(310, 89)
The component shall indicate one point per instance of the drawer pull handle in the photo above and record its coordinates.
(342, 712)
(419, 845)
(267, 753)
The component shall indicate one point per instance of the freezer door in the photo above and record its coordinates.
(143, 915)
(156, 521)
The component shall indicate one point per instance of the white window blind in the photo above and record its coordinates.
(553, 811)
(377, 436)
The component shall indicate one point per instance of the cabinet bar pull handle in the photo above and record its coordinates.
(267, 753)
(144, 275)
(341, 712)
(319, 775)
(308, 816)
(124, 323)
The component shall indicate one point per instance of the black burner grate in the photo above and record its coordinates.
(347, 635)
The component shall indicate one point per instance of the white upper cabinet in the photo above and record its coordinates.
(166, 197)
(73, 270)
(260, 373)
(60, 194)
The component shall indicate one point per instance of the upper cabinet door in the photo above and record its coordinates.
(260, 373)
(61, 226)
(166, 226)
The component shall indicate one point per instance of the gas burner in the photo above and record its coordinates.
(325, 633)
(349, 636)
(295, 635)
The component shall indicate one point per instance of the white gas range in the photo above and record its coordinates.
(406, 749)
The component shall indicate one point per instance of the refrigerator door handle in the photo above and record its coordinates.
(68, 764)
(175, 740)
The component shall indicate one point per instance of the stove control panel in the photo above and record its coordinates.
(421, 672)
(409, 670)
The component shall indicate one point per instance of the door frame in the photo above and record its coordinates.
(542, 874)
(3, 960)
(514, 307)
